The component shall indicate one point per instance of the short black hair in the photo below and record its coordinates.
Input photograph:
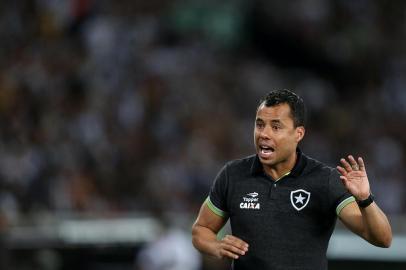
(295, 103)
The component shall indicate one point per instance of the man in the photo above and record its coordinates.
(282, 204)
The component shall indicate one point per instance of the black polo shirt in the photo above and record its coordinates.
(287, 223)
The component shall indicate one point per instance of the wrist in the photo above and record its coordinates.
(365, 202)
(216, 249)
(363, 197)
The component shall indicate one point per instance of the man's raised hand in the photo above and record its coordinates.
(354, 177)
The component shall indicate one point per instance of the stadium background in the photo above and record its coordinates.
(116, 115)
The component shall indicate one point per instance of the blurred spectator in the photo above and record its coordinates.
(105, 105)
(171, 250)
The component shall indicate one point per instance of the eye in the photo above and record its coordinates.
(259, 125)
(276, 127)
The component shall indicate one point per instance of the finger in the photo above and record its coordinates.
(353, 163)
(346, 165)
(341, 170)
(344, 180)
(233, 249)
(226, 253)
(233, 238)
(235, 241)
(352, 160)
(361, 164)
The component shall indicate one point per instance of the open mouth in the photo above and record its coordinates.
(266, 150)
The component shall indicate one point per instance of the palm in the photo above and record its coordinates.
(354, 177)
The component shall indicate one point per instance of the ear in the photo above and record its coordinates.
(300, 132)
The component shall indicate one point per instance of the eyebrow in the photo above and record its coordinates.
(275, 121)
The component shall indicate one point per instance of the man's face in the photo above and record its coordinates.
(275, 135)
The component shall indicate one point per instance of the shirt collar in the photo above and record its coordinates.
(256, 167)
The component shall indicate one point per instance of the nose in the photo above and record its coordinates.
(265, 133)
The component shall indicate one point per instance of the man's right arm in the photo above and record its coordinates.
(204, 236)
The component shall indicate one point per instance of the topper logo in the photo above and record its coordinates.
(251, 201)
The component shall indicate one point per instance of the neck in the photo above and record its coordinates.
(279, 170)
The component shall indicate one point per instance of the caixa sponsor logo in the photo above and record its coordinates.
(250, 201)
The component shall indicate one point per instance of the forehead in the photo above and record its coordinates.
(278, 112)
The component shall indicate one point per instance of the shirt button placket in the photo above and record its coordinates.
(272, 191)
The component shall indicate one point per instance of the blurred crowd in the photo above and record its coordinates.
(125, 106)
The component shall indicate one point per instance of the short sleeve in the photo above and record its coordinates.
(217, 199)
(339, 197)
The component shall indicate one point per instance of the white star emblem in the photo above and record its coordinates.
(302, 198)
(299, 199)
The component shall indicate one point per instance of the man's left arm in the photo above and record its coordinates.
(368, 222)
